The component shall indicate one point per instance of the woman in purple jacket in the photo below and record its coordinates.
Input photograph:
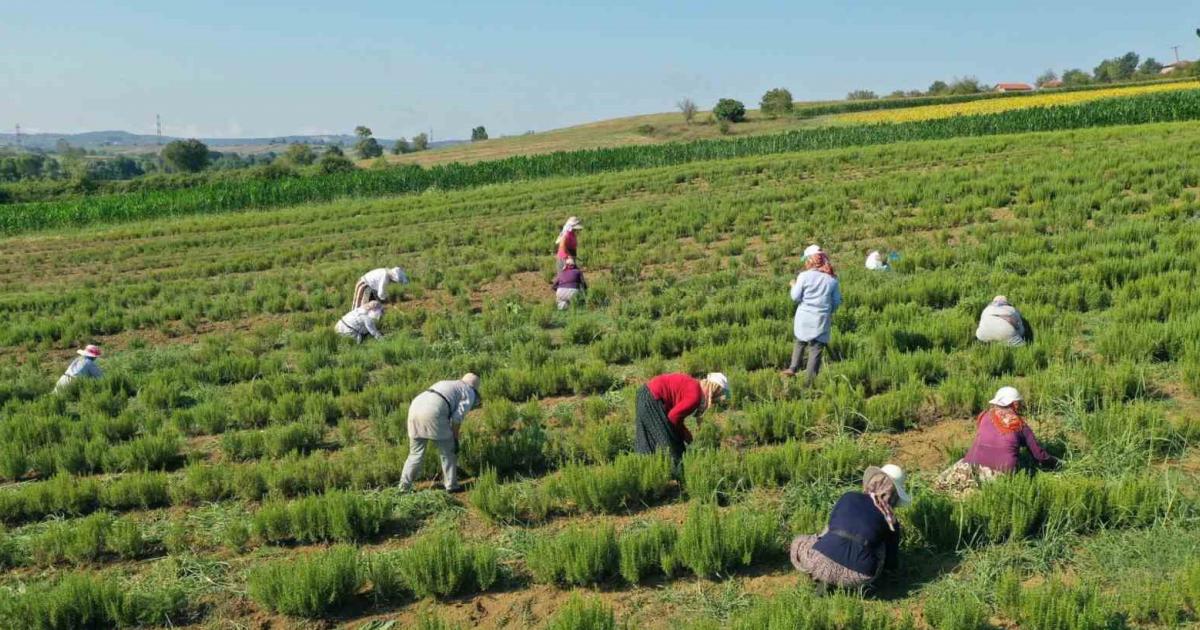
(569, 284)
(1000, 432)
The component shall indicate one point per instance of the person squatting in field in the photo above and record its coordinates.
(1002, 322)
(567, 242)
(361, 321)
(817, 294)
(1000, 432)
(436, 415)
(84, 366)
(569, 284)
(876, 262)
(665, 401)
(863, 536)
(373, 285)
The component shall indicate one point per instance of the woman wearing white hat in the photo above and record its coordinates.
(665, 402)
(863, 536)
(817, 294)
(82, 367)
(373, 285)
(567, 242)
(435, 415)
(360, 322)
(1000, 432)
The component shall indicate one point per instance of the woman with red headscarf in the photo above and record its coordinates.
(817, 294)
(1000, 432)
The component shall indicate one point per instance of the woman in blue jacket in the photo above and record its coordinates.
(817, 294)
(863, 536)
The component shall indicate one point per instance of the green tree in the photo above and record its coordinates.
(333, 149)
(190, 156)
(1046, 77)
(334, 162)
(1116, 69)
(861, 95)
(1150, 67)
(420, 142)
(938, 87)
(299, 154)
(401, 146)
(965, 85)
(776, 102)
(478, 133)
(367, 147)
(730, 109)
(1075, 77)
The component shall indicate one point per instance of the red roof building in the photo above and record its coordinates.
(1013, 87)
(1052, 84)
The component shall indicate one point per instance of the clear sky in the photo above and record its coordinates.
(265, 68)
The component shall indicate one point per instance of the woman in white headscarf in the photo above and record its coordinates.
(361, 321)
(1002, 322)
(373, 285)
(817, 294)
(567, 242)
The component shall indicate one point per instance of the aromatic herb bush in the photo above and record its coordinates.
(307, 586)
(583, 613)
(578, 556)
(647, 550)
(802, 610)
(334, 516)
(438, 564)
(83, 600)
(710, 543)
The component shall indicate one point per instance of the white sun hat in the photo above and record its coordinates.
(397, 275)
(1006, 396)
(811, 250)
(720, 380)
(896, 474)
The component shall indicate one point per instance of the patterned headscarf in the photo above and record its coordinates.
(820, 262)
(882, 490)
(1006, 419)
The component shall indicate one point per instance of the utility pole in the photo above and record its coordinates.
(158, 128)
(18, 135)
(1176, 49)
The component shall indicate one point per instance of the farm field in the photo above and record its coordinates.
(237, 465)
(995, 105)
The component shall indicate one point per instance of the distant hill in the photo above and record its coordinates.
(125, 142)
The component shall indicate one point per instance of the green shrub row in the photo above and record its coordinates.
(82, 600)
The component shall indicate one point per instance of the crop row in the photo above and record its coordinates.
(211, 198)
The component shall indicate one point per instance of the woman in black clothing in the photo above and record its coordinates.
(863, 536)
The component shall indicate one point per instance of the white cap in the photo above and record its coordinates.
(397, 275)
(718, 379)
(897, 476)
(1005, 396)
(812, 249)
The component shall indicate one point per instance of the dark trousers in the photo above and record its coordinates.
(815, 349)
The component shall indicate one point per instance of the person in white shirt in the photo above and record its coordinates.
(83, 367)
(373, 285)
(1001, 322)
(361, 321)
(875, 261)
(436, 415)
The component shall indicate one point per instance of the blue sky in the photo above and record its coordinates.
(263, 68)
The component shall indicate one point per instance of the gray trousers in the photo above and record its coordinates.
(416, 453)
(815, 349)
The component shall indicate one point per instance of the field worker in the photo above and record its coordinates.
(568, 284)
(82, 367)
(373, 285)
(361, 321)
(1001, 322)
(664, 403)
(875, 261)
(817, 295)
(1000, 432)
(566, 242)
(863, 536)
(435, 415)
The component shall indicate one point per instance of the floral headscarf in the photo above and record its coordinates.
(1006, 419)
(820, 262)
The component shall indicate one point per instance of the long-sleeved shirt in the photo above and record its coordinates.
(681, 396)
(857, 531)
(566, 247)
(1003, 323)
(998, 450)
(378, 280)
(435, 412)
(81, 367)
(359, 323)
(817, 296)
(570, 278)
